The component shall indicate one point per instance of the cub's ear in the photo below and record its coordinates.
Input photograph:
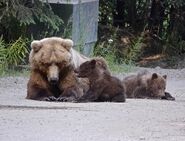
(67, 43)
(165, 76)
(154, 76)
(93, 63)
(36, 45)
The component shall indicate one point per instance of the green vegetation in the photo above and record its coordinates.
(152, 27)
(108, 49)
(19, 17)
(129, 30)
(21, 21)
(8, 73)
(12, 54)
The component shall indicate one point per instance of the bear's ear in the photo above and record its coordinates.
(67, 43)
(154, 76)
(36, 45)
(93, 63)
(165, 76)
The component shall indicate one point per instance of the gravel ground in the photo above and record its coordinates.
(135, 120)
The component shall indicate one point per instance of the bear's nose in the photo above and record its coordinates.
(53, 80)
(76, 70)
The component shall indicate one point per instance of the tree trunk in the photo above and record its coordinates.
(132, 13)
(156, 17)
(118, 14)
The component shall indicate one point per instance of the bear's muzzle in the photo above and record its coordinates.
(53, 74)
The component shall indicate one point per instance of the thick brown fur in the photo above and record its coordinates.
(146, 85)
(52, 70)
(103, 86)
(101, 63)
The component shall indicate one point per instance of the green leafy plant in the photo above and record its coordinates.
(115, 63)
(12, 54)
(108, 49)
(106, 11)
(18, 16)
(132, 53)
(16, 52)
(3, 51)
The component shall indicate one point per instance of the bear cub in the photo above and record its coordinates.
(103, 86)
(147, 85)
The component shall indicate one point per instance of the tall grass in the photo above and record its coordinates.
(133, 52)
(108, 49)
(3, 51)
(12, 54)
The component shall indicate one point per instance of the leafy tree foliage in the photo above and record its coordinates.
(21, 20)
(17, 16)
(162, 20)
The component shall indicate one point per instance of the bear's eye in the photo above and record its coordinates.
(46, 64)
(60, 65)
(63, 51)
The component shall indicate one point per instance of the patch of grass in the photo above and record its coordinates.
(23, 73)
(121, 68)
(115, 64)
(133, 52)
(108, 50)
(12, 54)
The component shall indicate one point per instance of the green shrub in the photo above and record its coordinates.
(115, 63)
(3, 51)
(12, 54)
(174, 46)
(27, 17)
(133, 52)
(108, 49)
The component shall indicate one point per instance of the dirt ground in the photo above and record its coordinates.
(135, 120)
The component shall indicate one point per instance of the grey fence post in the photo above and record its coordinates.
(84, 21)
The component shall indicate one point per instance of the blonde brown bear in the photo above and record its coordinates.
(52, 70)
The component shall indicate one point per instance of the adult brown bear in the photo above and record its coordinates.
(52, 70)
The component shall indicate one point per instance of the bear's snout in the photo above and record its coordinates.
(76, 70)
(53, 80)
(53, 74)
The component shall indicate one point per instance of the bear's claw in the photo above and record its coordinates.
(50, 98)
(66, 99)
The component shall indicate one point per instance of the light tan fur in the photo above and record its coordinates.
(52, 69)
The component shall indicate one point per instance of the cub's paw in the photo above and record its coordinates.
(168, 96)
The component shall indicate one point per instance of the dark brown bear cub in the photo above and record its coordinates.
(103, 86)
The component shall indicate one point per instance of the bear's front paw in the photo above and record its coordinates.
(50, 98)
(168, 96)
(66, 99)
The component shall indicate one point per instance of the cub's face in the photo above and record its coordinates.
(51, 56)
(86, 69)
(157, 85)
